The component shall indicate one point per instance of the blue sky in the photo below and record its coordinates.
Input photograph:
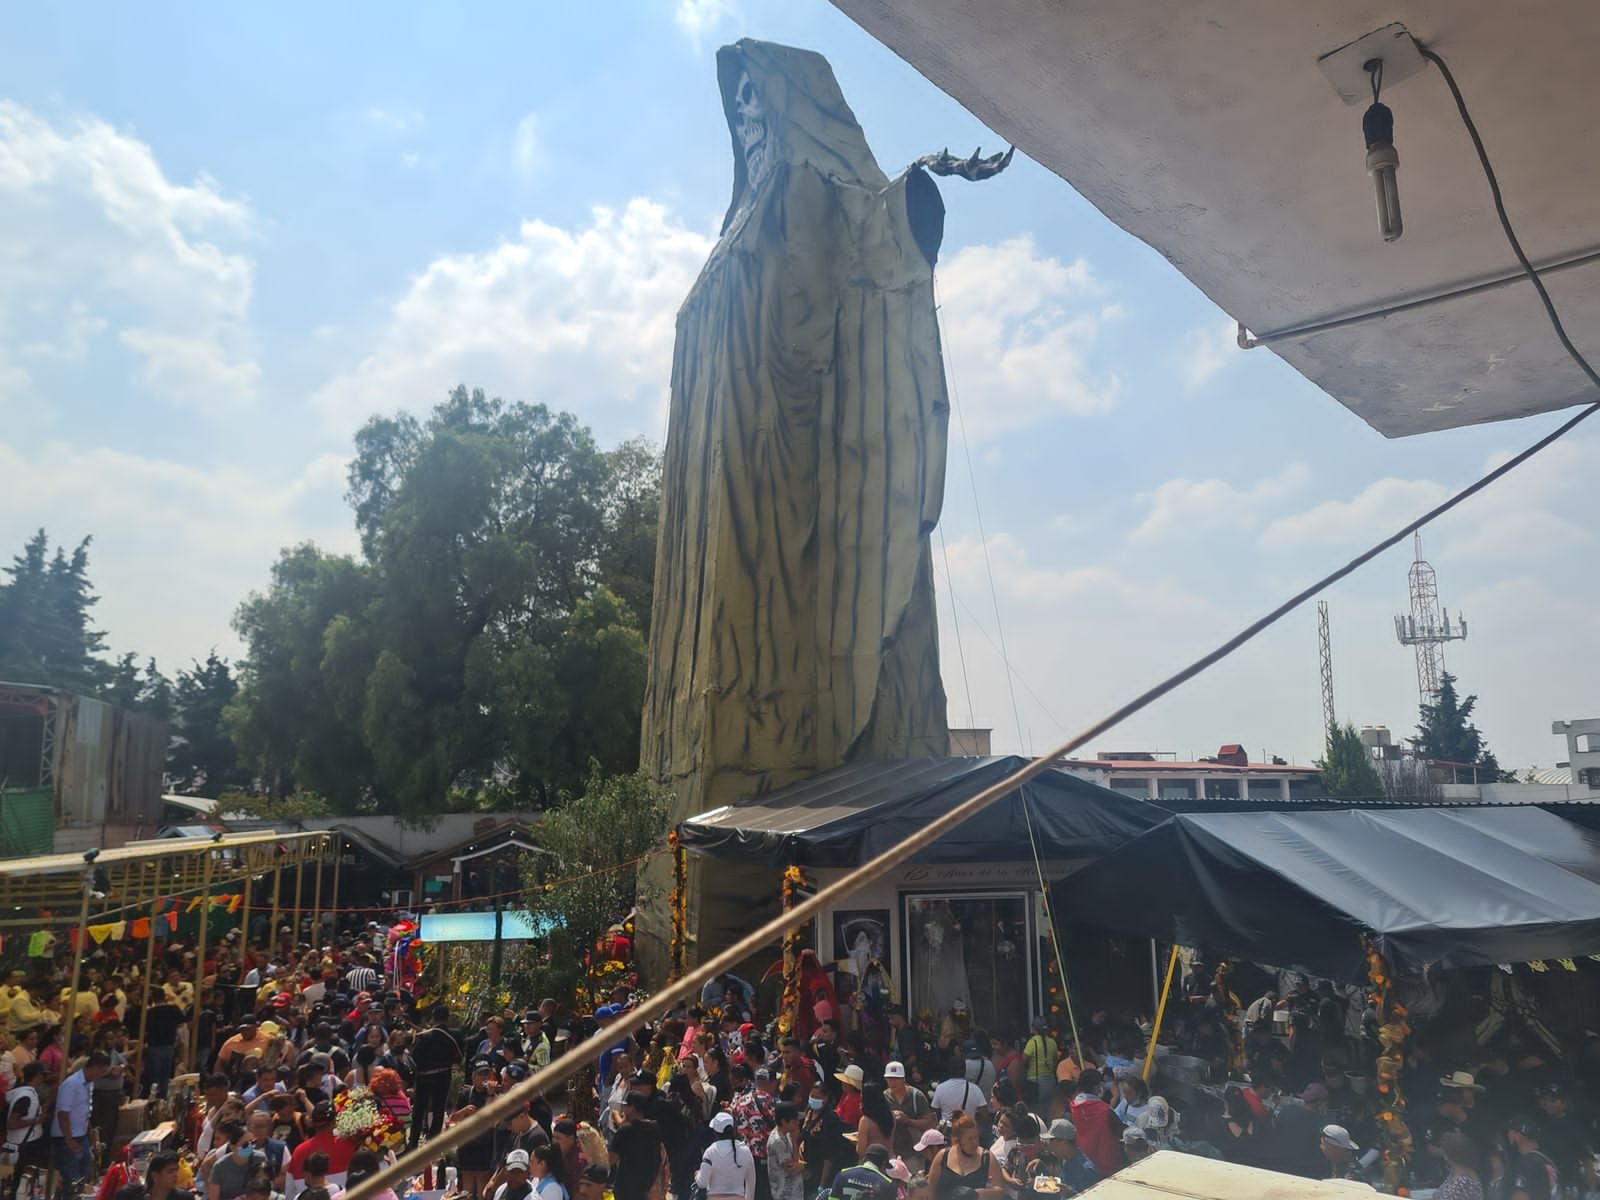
(227, 235)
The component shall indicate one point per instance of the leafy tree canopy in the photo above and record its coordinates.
(614, 820)
(1347, 769)
(486, 645)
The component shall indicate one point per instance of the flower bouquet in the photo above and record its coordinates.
(363, 1120)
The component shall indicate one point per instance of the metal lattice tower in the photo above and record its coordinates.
(1325, 647)
(1428, 627)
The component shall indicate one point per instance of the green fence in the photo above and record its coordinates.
(27, 824)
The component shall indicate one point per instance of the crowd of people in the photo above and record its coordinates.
(712, 1101)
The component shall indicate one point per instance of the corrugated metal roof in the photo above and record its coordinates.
(61, 864)
(203, 805)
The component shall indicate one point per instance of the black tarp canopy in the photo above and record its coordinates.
(1444, 887)
(845, 816)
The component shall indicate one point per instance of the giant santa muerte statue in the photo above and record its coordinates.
(793, 626)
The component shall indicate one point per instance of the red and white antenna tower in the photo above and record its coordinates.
(1428, 626)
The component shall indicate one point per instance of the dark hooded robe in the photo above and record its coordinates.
(793, 623)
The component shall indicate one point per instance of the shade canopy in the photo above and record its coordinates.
(845, 816)
(1210, 130)
(1437, 887)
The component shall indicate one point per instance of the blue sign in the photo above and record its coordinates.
(479, 927)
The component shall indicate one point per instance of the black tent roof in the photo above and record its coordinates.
(1447, 887)
(849, 814)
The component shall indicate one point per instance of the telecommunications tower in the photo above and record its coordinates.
(1325, 653)
(1428, 626)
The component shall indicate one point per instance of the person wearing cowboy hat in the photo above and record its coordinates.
(848, 1109)
(1456, 1107)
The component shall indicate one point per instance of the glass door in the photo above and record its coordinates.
(973, 950)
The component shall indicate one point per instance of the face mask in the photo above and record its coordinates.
(242, 1152)
(814, 1103)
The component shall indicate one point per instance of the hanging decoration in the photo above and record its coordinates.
(1393, 1030)
(1228, 1006)
(677, 903)
(1510, 1003)
(794, 882)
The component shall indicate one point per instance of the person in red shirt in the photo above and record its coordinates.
(848, 1110)
(322, 1138)
(1099, 1129)
(797, 1068)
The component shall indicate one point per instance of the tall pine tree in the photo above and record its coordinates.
(1447, 733)
(45, 631)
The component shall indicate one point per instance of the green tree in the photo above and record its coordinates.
(142, 689)
(47, 635)
(490, 643)
(631, 514)
(1347, 770)
(291, 720)
(45, 631)
(615, 820)
(1447, 734)
(204, 761)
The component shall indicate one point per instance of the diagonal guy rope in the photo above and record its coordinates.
(568, 1064)
(690, 984)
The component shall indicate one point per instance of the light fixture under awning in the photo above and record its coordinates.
(1208, 130)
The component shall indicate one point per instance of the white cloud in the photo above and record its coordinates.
(1018, 329)
(525, 145)
(88, 219)
(551, 314)
(1189, 507)
(1375, 511)
(1208, 350)
(409, 158)
(700, 18)
(79, 328)
(176, 546)
(1081, 637)
(395, 120)
(1519, 536)
(14, 380)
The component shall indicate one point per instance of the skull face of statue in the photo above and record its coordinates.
(750, 126)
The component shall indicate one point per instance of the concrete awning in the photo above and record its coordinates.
(1207, 129)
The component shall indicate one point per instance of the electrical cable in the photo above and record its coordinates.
(1050, 914)
(955, 623)
(760, 939)
(1505, 221)
(983, 538)
(1018, 675)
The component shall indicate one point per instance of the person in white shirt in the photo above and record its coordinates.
(786, 1169)
(26, 1118)
(727, 1169)
(961, 1093)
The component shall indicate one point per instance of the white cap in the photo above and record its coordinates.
(722, 1122)
(1338, 1135)
(894, 1070)
(517, 1159)
(929, 1139)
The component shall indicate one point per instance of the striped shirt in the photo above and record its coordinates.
(361, 979)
